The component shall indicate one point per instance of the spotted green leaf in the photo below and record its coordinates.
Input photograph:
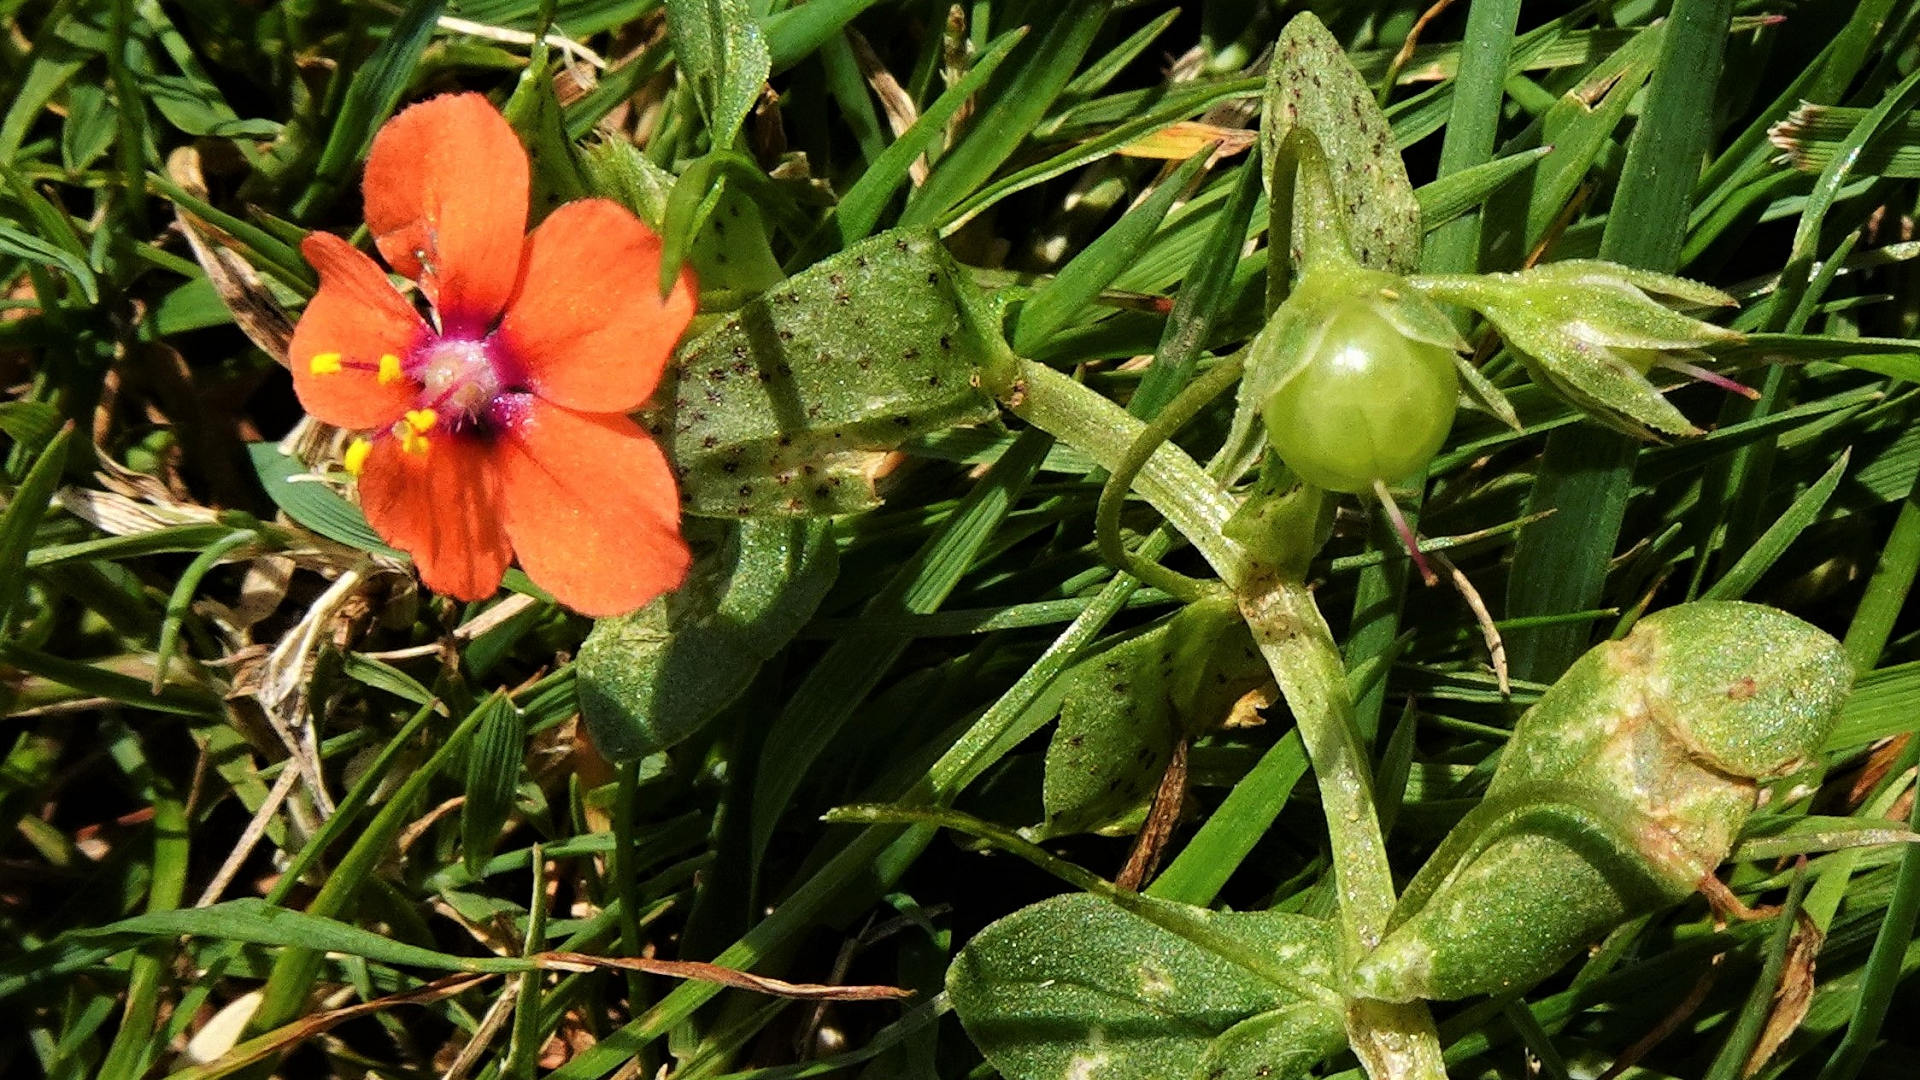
(1124, 708)
(1312, 85)
(788, 406)
(1117, 732)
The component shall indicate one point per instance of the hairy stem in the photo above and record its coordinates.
(1395, 1042)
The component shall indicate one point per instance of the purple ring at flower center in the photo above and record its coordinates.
(460, 378)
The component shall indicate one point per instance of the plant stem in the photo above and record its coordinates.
(1395, 1042)
(1113, 496)
(1192, 502)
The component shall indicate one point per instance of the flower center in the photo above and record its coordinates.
(458, 378)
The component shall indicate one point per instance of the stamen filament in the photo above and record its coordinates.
(1711, 378)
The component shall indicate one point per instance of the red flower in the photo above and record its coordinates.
(500, 428)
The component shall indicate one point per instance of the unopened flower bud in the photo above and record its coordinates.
(1590, 331)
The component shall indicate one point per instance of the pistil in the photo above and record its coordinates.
(458, 378)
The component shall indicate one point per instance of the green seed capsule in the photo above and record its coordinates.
(1620, 790)
(1367, 404)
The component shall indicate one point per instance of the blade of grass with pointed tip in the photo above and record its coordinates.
(792, 35)
(1448, 197)
(26, 507)
(1202, 297)
(1229, 834)
(373, 92)
(27, 246)
(312, 503)
(1047, 65)
(1099, 263)
(1560, 564)
(1104, 70)
(860, 208)
(1774, 542)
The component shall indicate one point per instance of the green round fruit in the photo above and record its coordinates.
(1369, 404)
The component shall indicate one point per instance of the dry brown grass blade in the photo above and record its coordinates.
(1164, 814)
(254, 309)
(1793, 997)
(713, 973)
(273, 1042)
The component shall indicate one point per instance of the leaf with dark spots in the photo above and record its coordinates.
(803, 383)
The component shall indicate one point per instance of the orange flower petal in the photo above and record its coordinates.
(589, 327)
(441, 506)
(446, 199)
(591, 506)
(359, 317)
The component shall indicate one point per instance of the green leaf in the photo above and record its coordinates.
(1779, 536)
(90, 125)
(1074, 986)
(1312, 85)
(787, 406)
(860, 208)
(97, 680)
(617, 169)
(249, 920)
(311, 502)
(723, 50)
(1582, 123)
(26, 506)
(649, 680)
(1099, 263)
(534, 111)
(1117, 732)
(1046, 65)
(32, 424)
(1450, 196)
(1275, 1045)
(1815, 134)
(1884, 703)
(27, 246)
(195, 305)
(1785, 838)
(381, 675)
(373, 90)
(793, 34)
(1124, 708)
(493, 773)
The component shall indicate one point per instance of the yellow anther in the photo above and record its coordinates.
(326, 363)
(356, 455)
(412, 442)
(389, 369)
(422, 420)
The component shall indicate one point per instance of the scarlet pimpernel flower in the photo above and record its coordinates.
(498, 428)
